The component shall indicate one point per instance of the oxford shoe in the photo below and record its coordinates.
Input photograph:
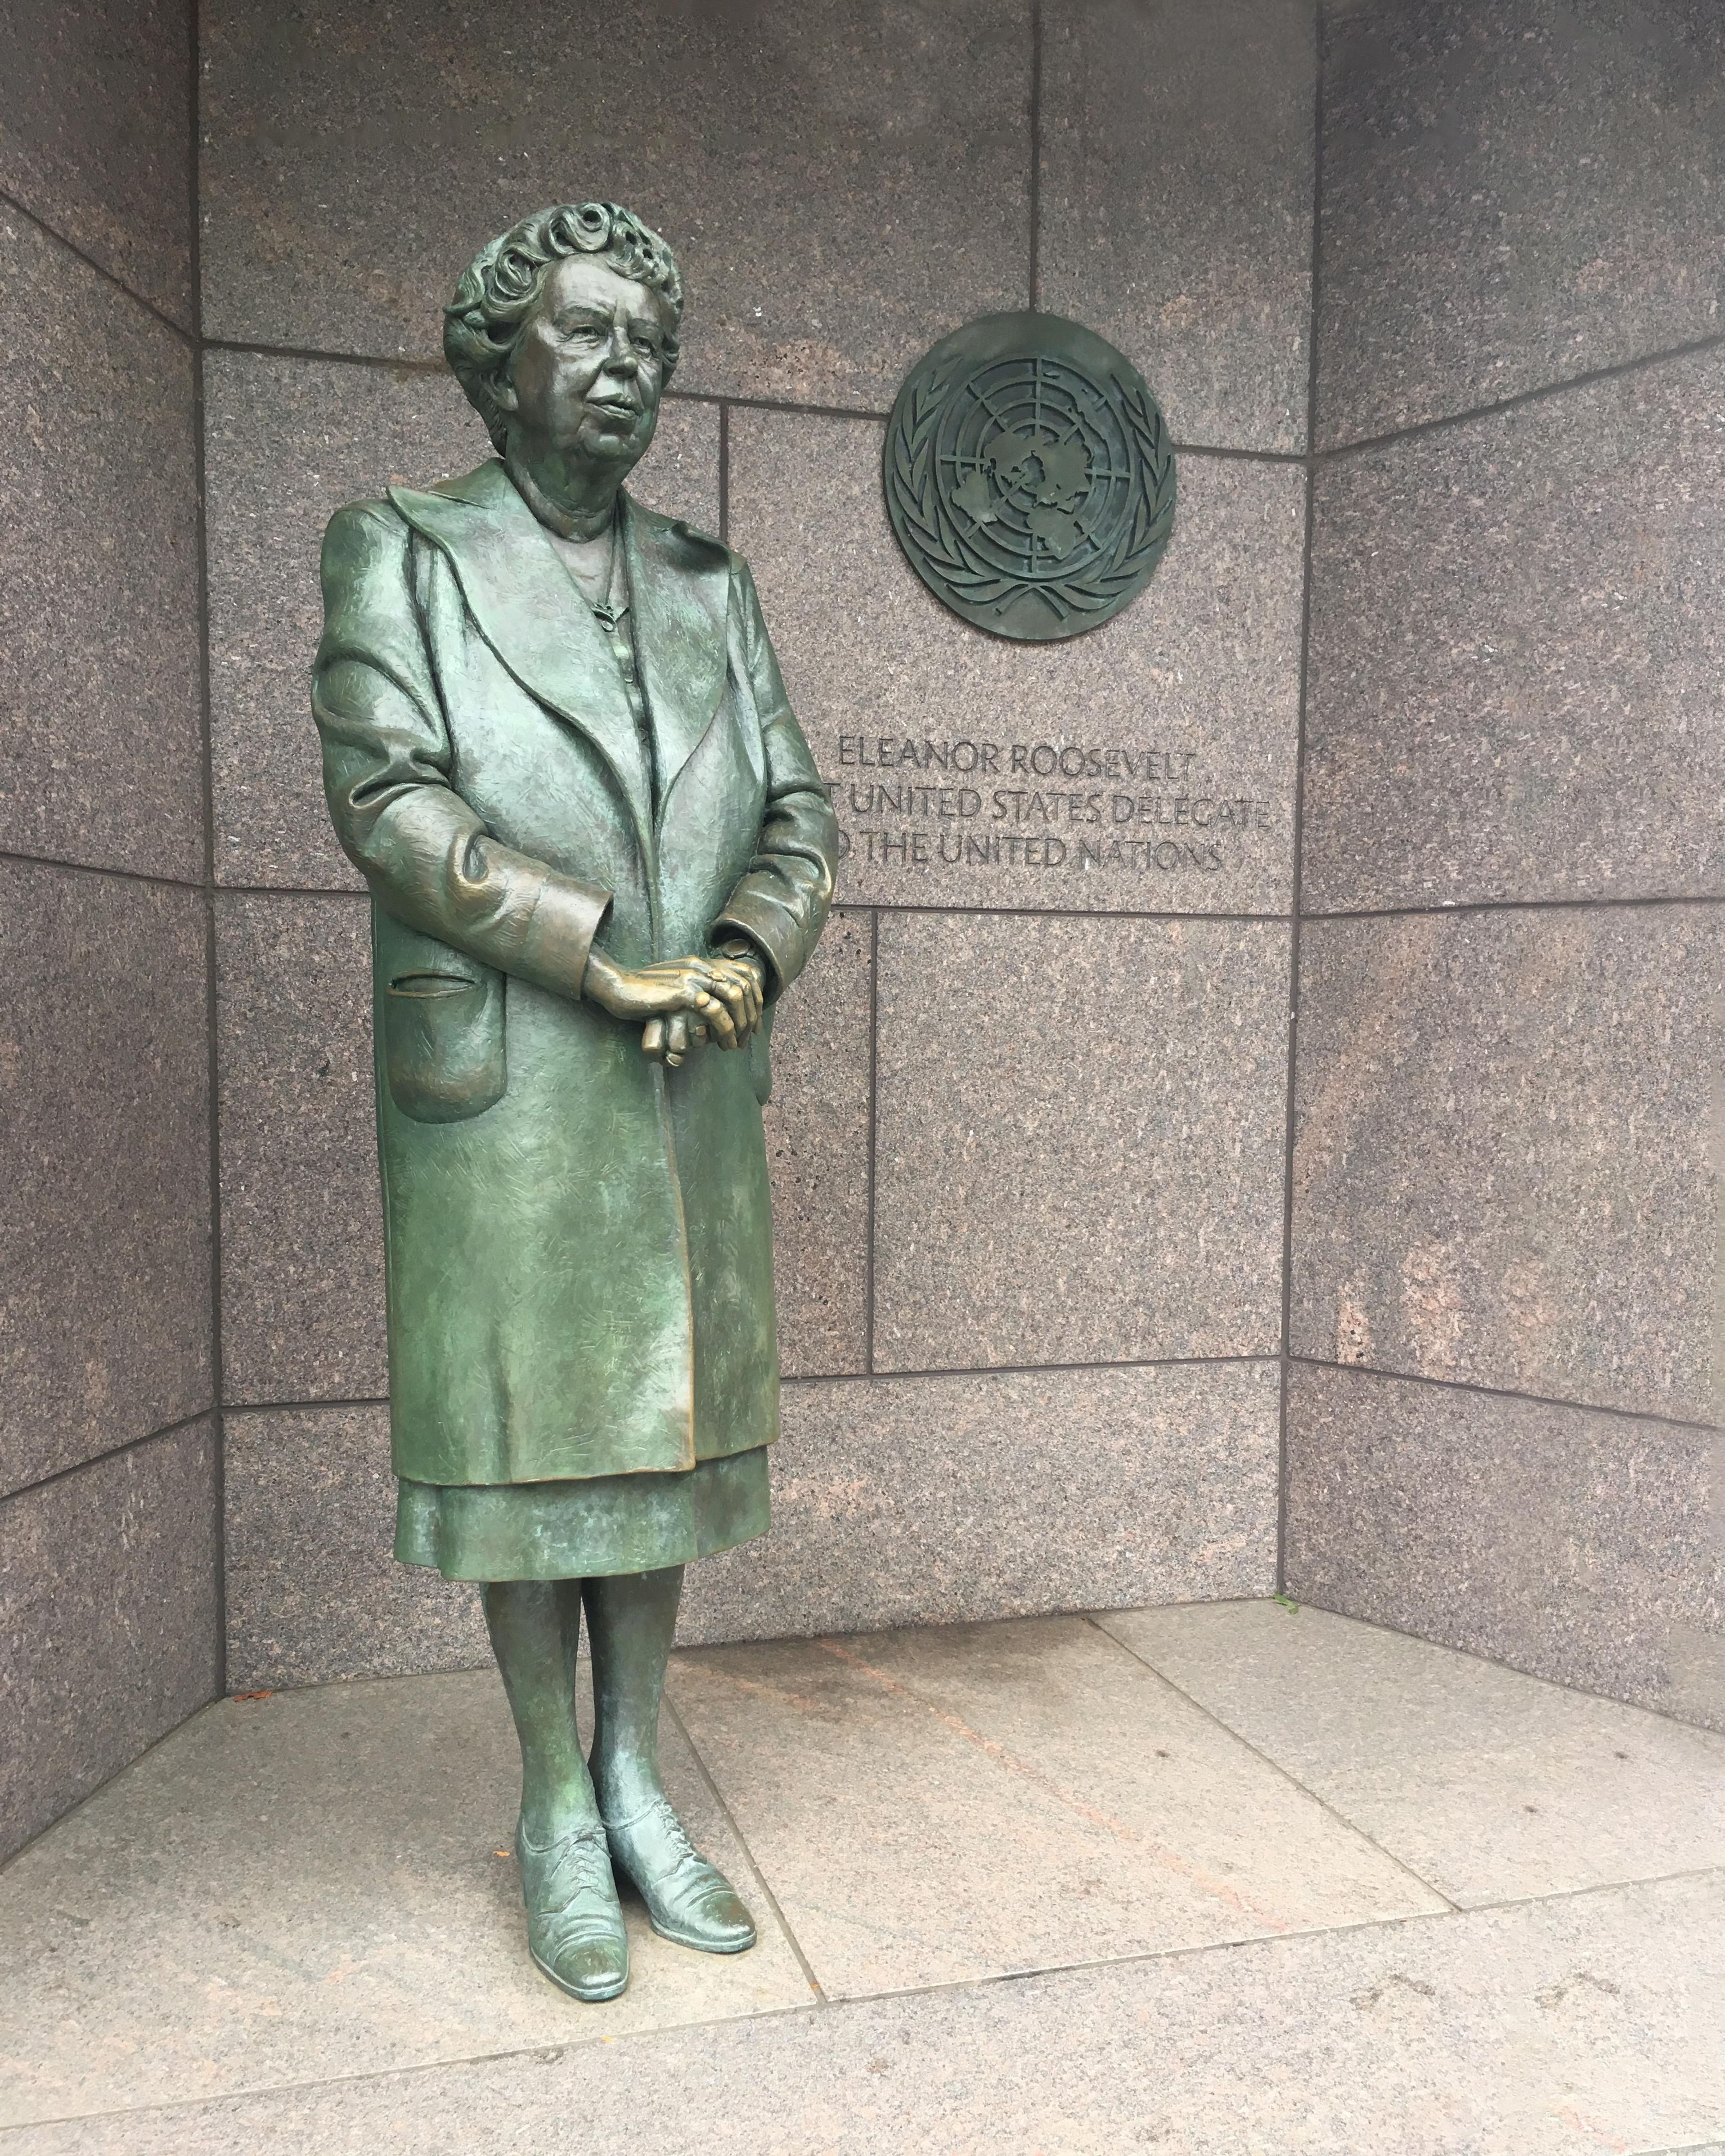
(575, 1930)
(689, 1901)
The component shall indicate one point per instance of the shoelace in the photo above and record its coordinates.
(576, 1863)
(661, 1810)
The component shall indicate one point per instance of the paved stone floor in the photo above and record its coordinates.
(1228, 1879)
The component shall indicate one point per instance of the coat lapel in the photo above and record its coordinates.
(529, 611)
(680, 592)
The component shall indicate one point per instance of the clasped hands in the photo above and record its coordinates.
(681, 1003)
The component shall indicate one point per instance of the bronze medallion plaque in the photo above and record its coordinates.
(1029, 476)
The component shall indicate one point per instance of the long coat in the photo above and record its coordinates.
(579, 1262)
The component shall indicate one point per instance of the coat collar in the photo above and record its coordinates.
(528, 609)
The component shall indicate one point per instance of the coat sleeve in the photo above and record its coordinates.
(424, 851)
(781, 904)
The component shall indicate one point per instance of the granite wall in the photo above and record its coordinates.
(109, 1623)
(1438, 625)
(1503, 1277)
(1028, 1138)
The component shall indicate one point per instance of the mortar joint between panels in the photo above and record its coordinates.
(188, 337)
(906, 1373)
(342, 1404)
(1540, 393)
(1482, 1389)
(1443, 909)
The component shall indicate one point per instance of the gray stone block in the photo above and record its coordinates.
(1176, 202)
(1583, 1548)
(1147, 766)
(1097, 1489)
(104, 1266)
(316, 1882)
(817, 1126)
(1080, 1137)
(314, 1591)
(1516, 654)
(841, 186)
(1491, 1786)
(931, 1501)
(1391, 2027)
(95, 136)
(302, 1225)
(913, 1798)
(287, 442)
(109, 1623)
(1512, 195)
(103, 762)
(1501, 1150)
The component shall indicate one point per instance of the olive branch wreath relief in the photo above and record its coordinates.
(924, 516)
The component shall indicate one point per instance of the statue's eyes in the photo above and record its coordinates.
(647, 347)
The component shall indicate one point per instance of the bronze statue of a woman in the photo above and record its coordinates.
(556, 745)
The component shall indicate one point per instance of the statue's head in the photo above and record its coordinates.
(563, 331)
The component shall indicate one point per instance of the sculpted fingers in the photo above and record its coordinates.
(740, 984)
(731, 991)
(717, 1014)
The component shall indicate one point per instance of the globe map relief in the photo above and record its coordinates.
(1029, 476)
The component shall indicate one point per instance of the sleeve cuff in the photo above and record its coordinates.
(745, 921)
(566, 916)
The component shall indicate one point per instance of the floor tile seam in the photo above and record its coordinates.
(1625, 902)
(1693, 1873)
(20, 858)
(1286, 1773)
(933, 1707)
(1512, 1668)
(742, 1842)
(311, 1404)
(1543, 392)
(1505, 1393)
(1268, 1941)
(52, 232)
(818, 2008)
(814, 2011)
(109, 1452)
(262, 2092)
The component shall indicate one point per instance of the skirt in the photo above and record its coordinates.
(582, 1530)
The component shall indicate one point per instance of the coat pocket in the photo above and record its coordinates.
(442, 1017)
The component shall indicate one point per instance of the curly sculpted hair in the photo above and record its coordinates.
(499, 288)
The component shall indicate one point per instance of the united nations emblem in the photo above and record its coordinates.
(1029, 476)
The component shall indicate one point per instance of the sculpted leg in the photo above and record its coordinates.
(574, 1925)
(632, 1619)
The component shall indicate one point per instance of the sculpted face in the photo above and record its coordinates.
(589, 366)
